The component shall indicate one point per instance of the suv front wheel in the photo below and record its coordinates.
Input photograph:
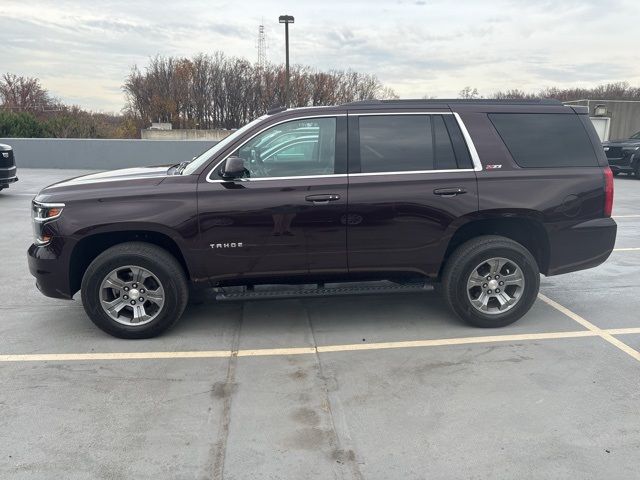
(134, 290)
(491, 281)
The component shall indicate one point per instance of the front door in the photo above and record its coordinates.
(411, 179)
(286, 217)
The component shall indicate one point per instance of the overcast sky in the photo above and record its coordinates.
(83, 50)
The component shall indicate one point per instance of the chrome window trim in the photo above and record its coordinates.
(450, 170)
(306, 117)
(378, 114)
(475, 158)
(470, 145)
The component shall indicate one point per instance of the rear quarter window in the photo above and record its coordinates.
(537, 140)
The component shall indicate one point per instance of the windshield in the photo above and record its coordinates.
(205, 156)
(635, 135)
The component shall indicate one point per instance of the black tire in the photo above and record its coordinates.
(472, 253)
(636, 170)
(152, 258)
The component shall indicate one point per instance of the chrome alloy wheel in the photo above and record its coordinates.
(495, 286)
(131, 295)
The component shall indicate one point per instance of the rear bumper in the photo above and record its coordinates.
(50, 268)
(584, 245)
(8, 175)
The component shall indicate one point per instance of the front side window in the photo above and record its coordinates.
(405, 143)
(292, 149)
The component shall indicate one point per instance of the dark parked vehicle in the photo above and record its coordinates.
(624, 155)
(475, 197)
(8, 170)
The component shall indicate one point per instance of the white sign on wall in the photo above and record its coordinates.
(601, 125)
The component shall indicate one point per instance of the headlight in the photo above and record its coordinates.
(42, 213)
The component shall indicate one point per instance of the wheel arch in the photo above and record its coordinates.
(525, 229)
(89, 247)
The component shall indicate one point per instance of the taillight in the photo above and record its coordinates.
(608, 191)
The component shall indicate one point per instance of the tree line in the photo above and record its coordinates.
(215, 91)
(28, 110)
(607, 91)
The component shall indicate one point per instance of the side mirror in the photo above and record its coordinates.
(233, 168)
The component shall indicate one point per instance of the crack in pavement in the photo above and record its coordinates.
(341, 456)
(225, 392)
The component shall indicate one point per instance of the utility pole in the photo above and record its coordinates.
(286, 19)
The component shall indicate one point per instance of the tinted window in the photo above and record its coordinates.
(404, 143)
(445, 158)
(463, 157)
(393, 143)
(291, 149)
(545, 140)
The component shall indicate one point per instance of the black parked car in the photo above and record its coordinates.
(624, 155)
(8, 170)
(476, 197)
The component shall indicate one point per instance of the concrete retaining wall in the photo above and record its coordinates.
(184, 134)
(101, 154)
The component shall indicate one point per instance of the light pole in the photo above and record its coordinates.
(286, 19)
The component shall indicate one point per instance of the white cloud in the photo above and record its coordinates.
(436, 47)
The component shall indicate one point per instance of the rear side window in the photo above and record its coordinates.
(404, 143)
(395, 143)
(545, 139)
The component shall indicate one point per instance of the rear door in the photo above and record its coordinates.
(411, 180)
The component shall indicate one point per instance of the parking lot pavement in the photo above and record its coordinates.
(349, 387)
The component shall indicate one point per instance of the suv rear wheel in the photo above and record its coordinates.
(134, 290)
(491, 281)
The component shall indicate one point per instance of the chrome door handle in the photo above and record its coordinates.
(322, 199)
(449, 192)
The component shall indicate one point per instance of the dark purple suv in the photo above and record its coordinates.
(475, 197)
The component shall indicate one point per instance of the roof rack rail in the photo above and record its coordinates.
(276, 109)
(420, 101)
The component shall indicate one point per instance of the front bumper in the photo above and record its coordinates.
(584, 245)
(49, 264)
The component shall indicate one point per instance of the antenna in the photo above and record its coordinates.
(262, 46)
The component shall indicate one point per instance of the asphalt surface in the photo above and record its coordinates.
(368, 387)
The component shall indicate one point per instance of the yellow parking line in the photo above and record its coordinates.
(276, 351)
(623, 331)
(632, 249)
(626, 216)
(605, 334)
(57, 357)
(454, 341)
(591, 331)
(60, 357)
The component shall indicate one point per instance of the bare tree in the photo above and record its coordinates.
(214, 91)
(469, 93)
(24, 94)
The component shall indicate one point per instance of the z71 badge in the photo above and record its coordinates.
(493, 167)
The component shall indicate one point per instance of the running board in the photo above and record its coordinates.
(268, 292)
